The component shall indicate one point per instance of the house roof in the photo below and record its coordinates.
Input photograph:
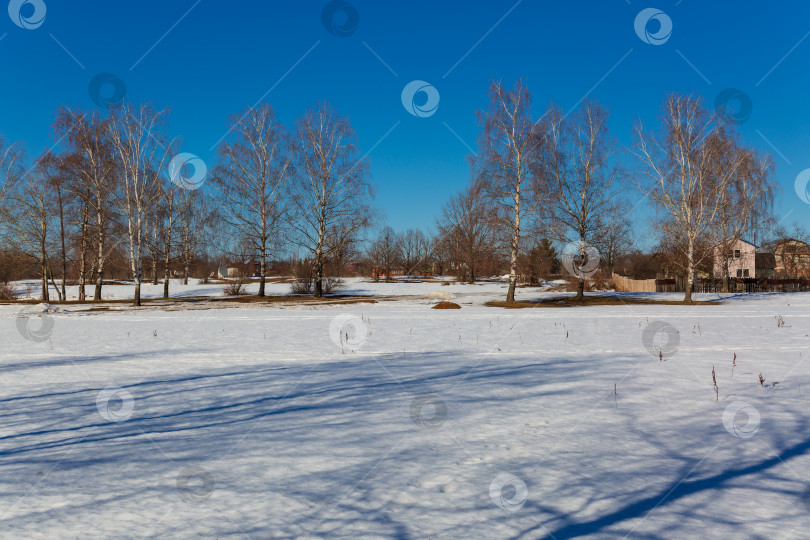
(786, 240)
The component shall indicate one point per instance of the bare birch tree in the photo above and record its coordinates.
(137, 136)
(682, 179)
(584, 180)
(252, 178)
(508, 157)
(92, 168)
(31, 221)
(331, 194)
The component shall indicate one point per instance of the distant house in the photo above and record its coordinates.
(789, 258)
(741, 258)
(248, 269)
(792, 258)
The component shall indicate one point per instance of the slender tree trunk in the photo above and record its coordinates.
(185, 271)
(83, 259)
(510, 294)
(319, 276)
(319, 255)
(44, 271)
(100, 259)
(319, 264)
(166, 272)
(64, 248)
(262, 270)
(59, 294)
(690, 272)
(582, 262)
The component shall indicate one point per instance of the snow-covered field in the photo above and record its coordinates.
(392, 420)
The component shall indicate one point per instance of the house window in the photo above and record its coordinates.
(739, 272)
(736, 253)
(745, 272)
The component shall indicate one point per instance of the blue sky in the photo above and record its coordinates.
(208, 59)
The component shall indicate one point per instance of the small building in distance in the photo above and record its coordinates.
(741, 258)
(792, 258)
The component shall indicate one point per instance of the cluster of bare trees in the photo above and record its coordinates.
(114, 186)
(562, 177)
(106, 188)
(538, 184)
(308, 188)
(411, 251)
(556, 177)
(708, 189)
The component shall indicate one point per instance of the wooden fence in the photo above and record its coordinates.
(625, 284)
(678, 284)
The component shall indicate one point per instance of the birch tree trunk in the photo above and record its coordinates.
(507, 161)
(330, 193)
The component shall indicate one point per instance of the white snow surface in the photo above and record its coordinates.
(392, 420)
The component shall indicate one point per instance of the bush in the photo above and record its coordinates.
(301, 285)
(306, 285)
(601, 282)
(7, 291)
(333, 285)
(235, 288)
(573, 283)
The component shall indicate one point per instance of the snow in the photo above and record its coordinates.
(392, 420)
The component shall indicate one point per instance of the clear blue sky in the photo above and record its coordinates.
(208, 59)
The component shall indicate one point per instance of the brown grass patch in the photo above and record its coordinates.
(446, 305)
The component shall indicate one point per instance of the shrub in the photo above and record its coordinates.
(7, 291)
(333, 285)
(301, 285)
(235, 288)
